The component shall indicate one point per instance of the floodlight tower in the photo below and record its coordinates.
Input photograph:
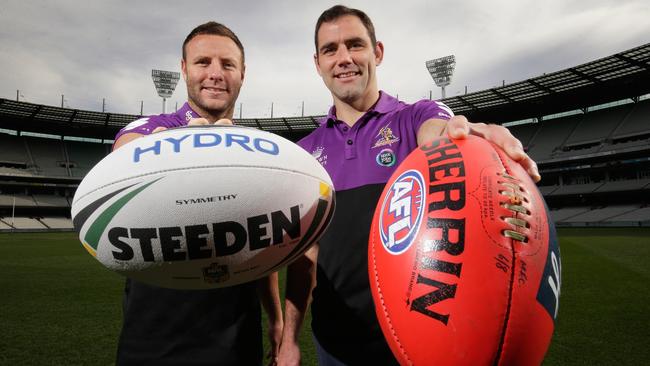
(441, 70)
(165, 82)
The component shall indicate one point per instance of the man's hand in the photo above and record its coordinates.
(199, 122)
(205, 122)
(458, 127)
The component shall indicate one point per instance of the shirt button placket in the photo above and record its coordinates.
(350, 149)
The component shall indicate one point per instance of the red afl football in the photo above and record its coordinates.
(463, 259)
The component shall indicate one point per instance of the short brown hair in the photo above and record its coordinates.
(338, 11)
(215, 29)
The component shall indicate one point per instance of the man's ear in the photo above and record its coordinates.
(243, 72)
(184, 69)
(317, 64)
(379, 53)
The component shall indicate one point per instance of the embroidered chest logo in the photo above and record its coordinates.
(318, 155)
(188, 116)
(386, 137)
(386, 157)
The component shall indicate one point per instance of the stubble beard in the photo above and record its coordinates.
(224, 109)
(348, 95)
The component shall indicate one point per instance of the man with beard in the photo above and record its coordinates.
(199, 327)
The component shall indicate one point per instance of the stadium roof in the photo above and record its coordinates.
(23, 116)
(622, 75)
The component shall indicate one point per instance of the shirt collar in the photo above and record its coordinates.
(385, 104)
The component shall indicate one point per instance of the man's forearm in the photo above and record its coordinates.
(301, 279)
(269, 294)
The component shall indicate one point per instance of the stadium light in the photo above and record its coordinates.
(165, 82)
(441, 70)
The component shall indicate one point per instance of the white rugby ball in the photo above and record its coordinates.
(203, 207)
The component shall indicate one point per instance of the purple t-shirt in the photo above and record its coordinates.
(146, 125)
(369, 151)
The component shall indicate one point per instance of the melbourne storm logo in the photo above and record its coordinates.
(401, 212)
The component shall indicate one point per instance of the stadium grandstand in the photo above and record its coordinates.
(588, 127)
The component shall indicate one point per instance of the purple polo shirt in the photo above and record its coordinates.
(146, 125)
(360, 159)
(370, 150)
(218, 326)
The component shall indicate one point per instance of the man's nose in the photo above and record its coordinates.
(215, 72)
(343, 56)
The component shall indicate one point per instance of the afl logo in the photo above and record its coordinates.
(401, 212)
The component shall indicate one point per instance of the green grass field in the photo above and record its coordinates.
(60, 307)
